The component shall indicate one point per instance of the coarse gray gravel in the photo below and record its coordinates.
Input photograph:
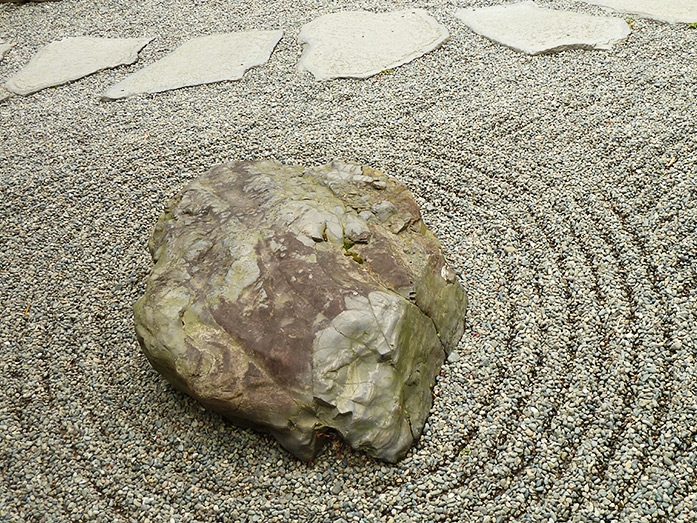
(562, 187)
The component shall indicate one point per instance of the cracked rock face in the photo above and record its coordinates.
(301, 301)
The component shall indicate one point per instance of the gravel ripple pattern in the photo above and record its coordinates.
(562, 187)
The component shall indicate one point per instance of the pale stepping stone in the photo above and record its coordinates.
(73, 58)
(4, 47)
(671, 11)
(203, 60)
(359, 44)
(534, 30)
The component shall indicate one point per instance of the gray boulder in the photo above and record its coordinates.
(301, 301)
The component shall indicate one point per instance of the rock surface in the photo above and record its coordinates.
(359, 44)
(73, 58)
(301, 301)
(4, 48)
(203, 60)
(671, 11)
(534, 30)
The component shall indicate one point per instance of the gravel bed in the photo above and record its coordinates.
(562, 187)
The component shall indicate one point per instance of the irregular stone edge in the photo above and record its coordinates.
(4, 49)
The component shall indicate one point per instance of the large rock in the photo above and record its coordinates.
(534, 30)
(301, 301)
(359, 44)
(203, 60)
(671, 11)
(73, 58)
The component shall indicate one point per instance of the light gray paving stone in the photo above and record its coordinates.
(534, 30)
(364, 355)
(4, 48)
(671, 11)
(203, 60)
(73, 58)
(359, 44)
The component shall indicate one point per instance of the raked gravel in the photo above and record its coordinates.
(563, 188)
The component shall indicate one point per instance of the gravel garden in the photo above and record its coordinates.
(562, 187)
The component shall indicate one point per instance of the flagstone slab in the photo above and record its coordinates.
(671, 11)
(4, 48)
(534, 30)
(203, 60)
(359, 44)
(73, 58)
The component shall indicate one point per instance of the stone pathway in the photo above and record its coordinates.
(346, 44)
(73, 58)
(359, 44)
(533, 30)
(671, 11)
(202, 60)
